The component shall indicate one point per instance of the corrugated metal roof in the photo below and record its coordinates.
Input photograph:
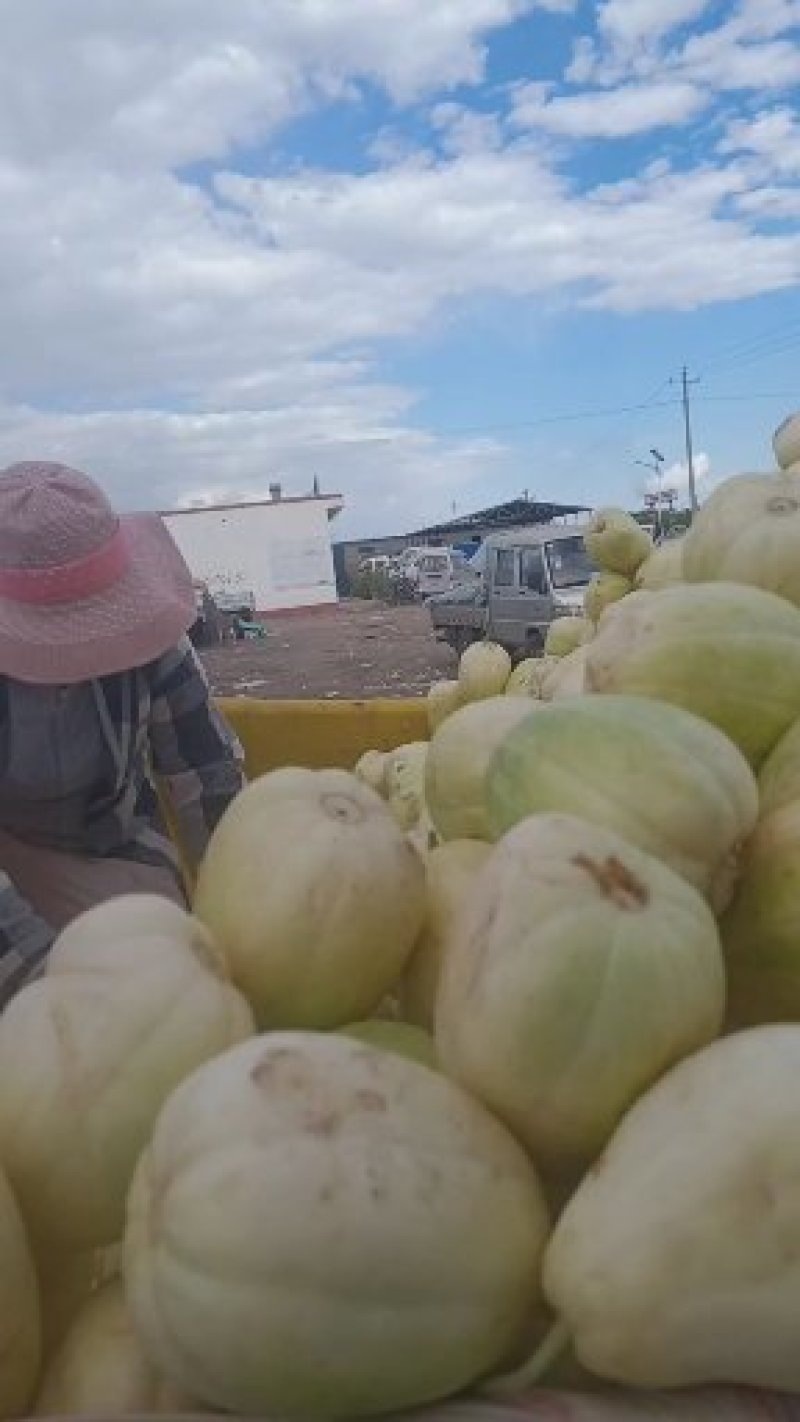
(517, 513)
(330, 499)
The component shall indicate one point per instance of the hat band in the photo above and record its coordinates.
(69, 582)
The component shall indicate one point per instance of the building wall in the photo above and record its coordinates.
(281, 551)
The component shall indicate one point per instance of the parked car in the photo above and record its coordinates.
(382, 563)
(432, 572)
(428, 571)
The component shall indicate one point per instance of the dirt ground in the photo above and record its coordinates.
(358, 649)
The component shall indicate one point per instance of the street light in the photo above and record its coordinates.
(656, 468)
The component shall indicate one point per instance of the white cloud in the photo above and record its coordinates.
(393, 475)
(142, 289)
(770, 146)
(463, 130)
(630, 36)
(632, 23)
(608, 113)
(418, 234)
(181, 339)
(773, 137)
(752, 48)
(125, 292)
(718, 59)
(172, 81)
(771, 203)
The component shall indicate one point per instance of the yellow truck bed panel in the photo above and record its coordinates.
(320, 733)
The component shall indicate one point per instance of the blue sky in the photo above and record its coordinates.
(524, 375)
(528, 388)
(433, 252)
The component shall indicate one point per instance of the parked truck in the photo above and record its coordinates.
(530, 577)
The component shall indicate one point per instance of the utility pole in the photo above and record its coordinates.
(685, 383)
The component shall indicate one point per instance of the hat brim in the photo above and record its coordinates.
(135, 621)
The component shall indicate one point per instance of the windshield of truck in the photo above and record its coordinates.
(569, 563)
(434, 563)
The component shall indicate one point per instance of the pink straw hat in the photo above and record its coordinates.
(83, 592)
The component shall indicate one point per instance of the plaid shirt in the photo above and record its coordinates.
(160, 718)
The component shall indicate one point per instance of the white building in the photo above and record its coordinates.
(277, 549)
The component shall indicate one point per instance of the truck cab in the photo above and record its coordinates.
(531, 577)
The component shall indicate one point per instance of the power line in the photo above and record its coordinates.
(747, 349)
(766, 353)
(753, 345)
(565, 417)
(610, 440)
(744, 396)
(655, 393)
(570, 416)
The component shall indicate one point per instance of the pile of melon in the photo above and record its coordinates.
(472, 1070)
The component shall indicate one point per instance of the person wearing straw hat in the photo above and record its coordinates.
(99, 685)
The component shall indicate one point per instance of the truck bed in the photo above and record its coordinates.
(463, 606)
